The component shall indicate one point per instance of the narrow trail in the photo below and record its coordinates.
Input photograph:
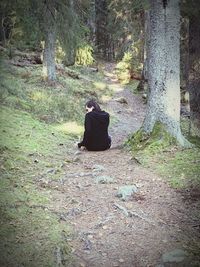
(104, 234)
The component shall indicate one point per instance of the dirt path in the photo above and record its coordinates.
(108, 231)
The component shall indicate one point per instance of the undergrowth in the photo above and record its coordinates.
(39, 125)
(159, 151)
(24, 89)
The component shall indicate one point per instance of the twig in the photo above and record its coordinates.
(129, 213)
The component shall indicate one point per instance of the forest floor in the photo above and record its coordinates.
(156, 226)
(60, 206)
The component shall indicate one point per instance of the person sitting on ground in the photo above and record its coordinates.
(96, 136)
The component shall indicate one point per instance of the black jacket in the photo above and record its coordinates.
(96, 136)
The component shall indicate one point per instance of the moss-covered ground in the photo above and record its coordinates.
(39, 125)
(159, 151)
(30, 233)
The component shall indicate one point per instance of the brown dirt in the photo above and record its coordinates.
(102, 235)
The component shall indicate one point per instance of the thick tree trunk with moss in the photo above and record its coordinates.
(194, 71)
(164, 68)
(49, 66)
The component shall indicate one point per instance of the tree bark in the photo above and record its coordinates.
(49, 66)
(164, 68)
(102, 35)
(194, 70)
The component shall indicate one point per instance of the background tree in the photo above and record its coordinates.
(191, 10)
(164, 69)
(49, 24)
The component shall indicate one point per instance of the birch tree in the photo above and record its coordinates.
(164, 69)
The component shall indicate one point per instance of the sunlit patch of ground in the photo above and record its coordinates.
(71, 128)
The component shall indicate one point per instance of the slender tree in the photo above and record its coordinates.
(194, 69)
(164, 69)
(49, 66)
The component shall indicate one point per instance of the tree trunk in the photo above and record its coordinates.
(145, 38)
(2, 29)
(194, 70)
(164, 68)
(49, 66)
(101, 14)
(146, 44)
(69, 59)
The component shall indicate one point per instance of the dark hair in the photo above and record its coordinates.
(92, 103)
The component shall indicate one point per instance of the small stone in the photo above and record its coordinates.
(104, 254)
(105, 227)
(76, 159)
(104, 179)
(129, 206)
(98, 168)
(121, 100)
(177, 255)
(77, 153)
(126, 191)
(121, 260)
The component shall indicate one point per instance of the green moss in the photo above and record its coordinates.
(29, 232)
(152, 143)
(24, 89)
(31, 238)
(181, 167)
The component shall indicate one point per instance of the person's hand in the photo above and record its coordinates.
(79, 145)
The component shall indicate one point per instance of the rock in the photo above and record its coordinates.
(176, 255)
(98, 168)
(76, 159)
(77, 153)
(73, 212)
(87, 245)
(53, 171)
(121, 100)
(144, 96)
(104, 254)
(126, 191)
(104, 179)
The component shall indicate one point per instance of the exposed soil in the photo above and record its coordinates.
(159, 219)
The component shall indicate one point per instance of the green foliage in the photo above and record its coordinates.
(84, 55)
(123, 68)
(126, 24)
(130, 63)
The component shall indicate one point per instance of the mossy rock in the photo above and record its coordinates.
(126, 191)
